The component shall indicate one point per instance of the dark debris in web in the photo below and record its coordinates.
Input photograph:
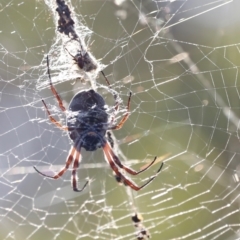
(65, 21)
(82, 58)
(142, 232)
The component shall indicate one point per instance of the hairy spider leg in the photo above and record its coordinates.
(108, 83)
(122, 177)
(68, 163)
(60, 103)
(118, 174)
(70, 54)
(115, 96)
(74, 172)
(125, 117)
(78, 40)
(110, 139)
(54, 91)
(127, 169)
(81, 65)
(53, 120)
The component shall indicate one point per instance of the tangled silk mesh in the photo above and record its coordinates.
(181, 61)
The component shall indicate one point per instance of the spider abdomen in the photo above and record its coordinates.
(87, 120)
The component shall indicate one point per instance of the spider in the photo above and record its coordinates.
(84, 60)
(87, 125)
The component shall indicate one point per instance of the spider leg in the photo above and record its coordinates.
(108, 83)
(74, 173)
(54, 91)
(52, 119)
(68, 162)
(125, 117)
(122, 177)
(70, 54)
(110, 139)
(127, 169)
(114, 93)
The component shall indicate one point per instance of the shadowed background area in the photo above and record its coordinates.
(180, 59)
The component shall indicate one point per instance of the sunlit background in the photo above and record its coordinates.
(180, 59)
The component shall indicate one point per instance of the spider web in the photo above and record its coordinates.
(180, 59)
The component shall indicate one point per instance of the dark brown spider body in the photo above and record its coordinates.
(87, 120)
(80, 60)
(87, 124)
(84, 60)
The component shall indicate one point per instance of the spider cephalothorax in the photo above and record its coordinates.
(87, 124)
